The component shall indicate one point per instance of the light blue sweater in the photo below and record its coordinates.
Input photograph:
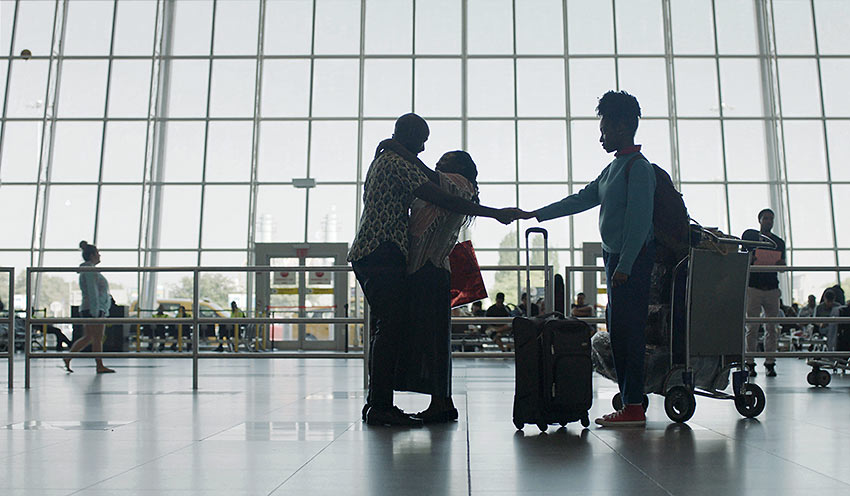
(95, 289)
(625, 216)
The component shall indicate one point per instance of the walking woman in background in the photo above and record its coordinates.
(424, 364)
(96, 303)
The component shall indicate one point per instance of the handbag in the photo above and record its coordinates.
(467, 285)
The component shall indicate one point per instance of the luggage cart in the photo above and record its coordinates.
(819, 375)
(715, 279)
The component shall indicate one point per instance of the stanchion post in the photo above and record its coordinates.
(138, 327)
(367, 342)
(196, 278)
(11, 347)
(27, 333)
(180, 337)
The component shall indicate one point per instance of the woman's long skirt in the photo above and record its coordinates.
(424, 364)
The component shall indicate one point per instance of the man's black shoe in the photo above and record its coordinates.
(751, 370)
(390, 416)
(771, 369)
(442, 417)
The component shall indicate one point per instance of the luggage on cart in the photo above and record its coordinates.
(553, 366)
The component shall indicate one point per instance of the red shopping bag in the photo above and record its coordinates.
(467, 285)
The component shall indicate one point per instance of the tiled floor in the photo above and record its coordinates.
(292, 427)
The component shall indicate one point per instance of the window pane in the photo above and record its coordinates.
(589, 80)
(236, 27)
(833, 17)
(740, 80)
(700, 151)
(639, 26)
(129, 88)
(21, 145)
(232, 91)
(288, 27)
(837, 132)
(184, 151)
(187, 92)
(588, 157)
(17, 207)
(332, 213)
(835, 75)
(124, 153)
(792, 20)
(706, 204)
(745, 202)
(34, 30)
(71, 215)
(543, 152)
(283, 151)
(4, 69)
(373, 132)
(438, 29)
(736, 27)
(389, 26)
(540, 88)
(229, 151)
(492, 146)
(806, 283)
(83, 89)
(693, 27)
(88, 29)
(192, 27)
(6, 21)
(696, 87)
(646, 79)
(445, 136)
(333, 151)
(746, 158)
(438, 88)
(76, 153)
(654, 135)
(27, 88)
(181, 208)
(798, 84)
(337, 27)
(811, 223)
(286, 88)
(280, 214)
(536, 196)
(585, 224)
(539, 27)
(335, 88)
(489, 26)
(118, 216)
(805, 157)
(134, 28)
(487, 233)
(225, 217)
(591, 27)
(490, 88)
(387, 87)
(841, 202)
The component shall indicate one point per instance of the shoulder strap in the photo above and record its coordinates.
(630, 162)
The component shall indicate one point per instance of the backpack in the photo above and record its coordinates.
(670, 220)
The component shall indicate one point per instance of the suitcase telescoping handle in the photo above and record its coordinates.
(528, 233)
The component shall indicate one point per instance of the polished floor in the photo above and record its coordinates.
(292, 427)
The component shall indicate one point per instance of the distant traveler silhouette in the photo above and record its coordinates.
(378, 253)
(96, 303)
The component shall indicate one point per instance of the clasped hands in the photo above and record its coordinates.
(510, 214)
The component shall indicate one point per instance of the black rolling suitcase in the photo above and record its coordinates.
(553, 365)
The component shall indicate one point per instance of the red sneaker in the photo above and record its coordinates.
(629, 416)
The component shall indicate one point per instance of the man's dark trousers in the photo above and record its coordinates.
(628, 306)
(382, 275)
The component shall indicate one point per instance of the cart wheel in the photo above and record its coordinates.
(519, 425)
(617, 402)
(585, 421)
(680, 404)
(750, 403)
(823, 378)
(811, 378)
(542, 427)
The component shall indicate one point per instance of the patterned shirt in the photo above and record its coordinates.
(387, 196)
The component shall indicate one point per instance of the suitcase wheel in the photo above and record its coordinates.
(542, 427)
(519, 425)
(585, 422)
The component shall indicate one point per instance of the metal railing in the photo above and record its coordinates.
(10, 343)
